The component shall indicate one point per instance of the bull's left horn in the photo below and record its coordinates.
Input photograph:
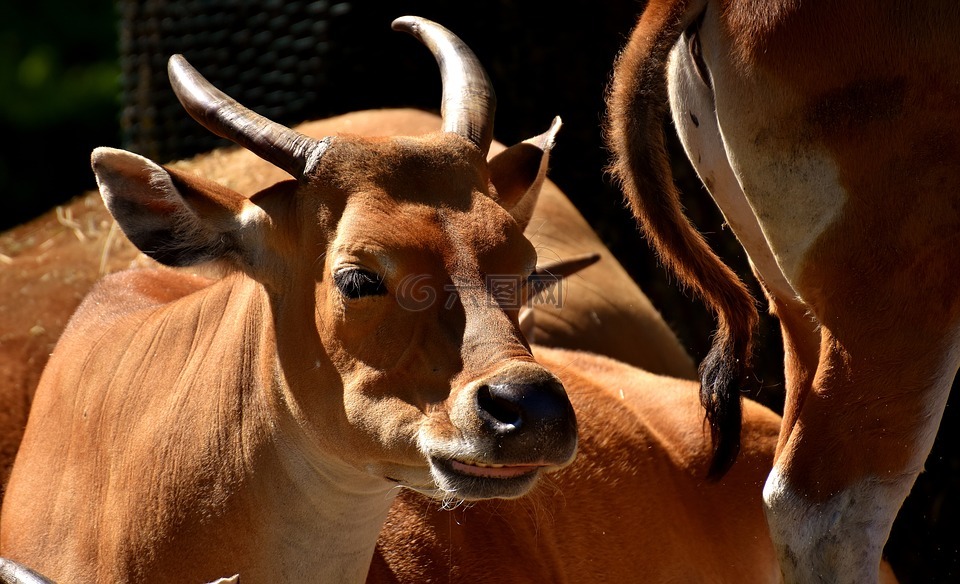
(468, 101)
(221, 114)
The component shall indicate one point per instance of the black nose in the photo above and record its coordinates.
(530, 421)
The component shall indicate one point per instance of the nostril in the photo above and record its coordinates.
(500, 406)
(528, 420)
(523, 407)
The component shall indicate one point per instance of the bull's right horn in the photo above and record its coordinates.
(221, 114)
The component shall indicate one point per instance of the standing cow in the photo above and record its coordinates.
(829, 135)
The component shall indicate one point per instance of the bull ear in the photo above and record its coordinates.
(518, 172)
(175, 218)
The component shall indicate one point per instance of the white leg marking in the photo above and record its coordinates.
(838, 541)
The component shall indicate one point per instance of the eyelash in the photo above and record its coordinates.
(356, 283)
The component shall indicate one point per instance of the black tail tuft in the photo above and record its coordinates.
(724, 375)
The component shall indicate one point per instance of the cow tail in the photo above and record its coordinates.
(637, 103)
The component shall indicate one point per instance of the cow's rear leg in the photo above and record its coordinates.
(858, 443)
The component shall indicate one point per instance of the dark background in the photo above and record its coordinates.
(75, 75)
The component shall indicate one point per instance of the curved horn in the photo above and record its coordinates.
(13, 573)
(221, 114)
(468, 98)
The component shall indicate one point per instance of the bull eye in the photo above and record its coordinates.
(356, 283)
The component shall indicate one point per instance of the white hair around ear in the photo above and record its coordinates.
(175, 217)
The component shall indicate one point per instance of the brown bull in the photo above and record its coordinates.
(191, 428)
(52, 262)
(640, 434)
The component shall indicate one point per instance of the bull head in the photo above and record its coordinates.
(380, 335)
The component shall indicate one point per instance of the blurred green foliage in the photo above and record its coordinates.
(59, 98)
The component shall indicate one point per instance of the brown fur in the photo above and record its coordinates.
(49, 265)
(602, 309)
(632, 507)
(554, 216)
(52, 262)
(867, 92)
(644, 173)
(226, 394)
